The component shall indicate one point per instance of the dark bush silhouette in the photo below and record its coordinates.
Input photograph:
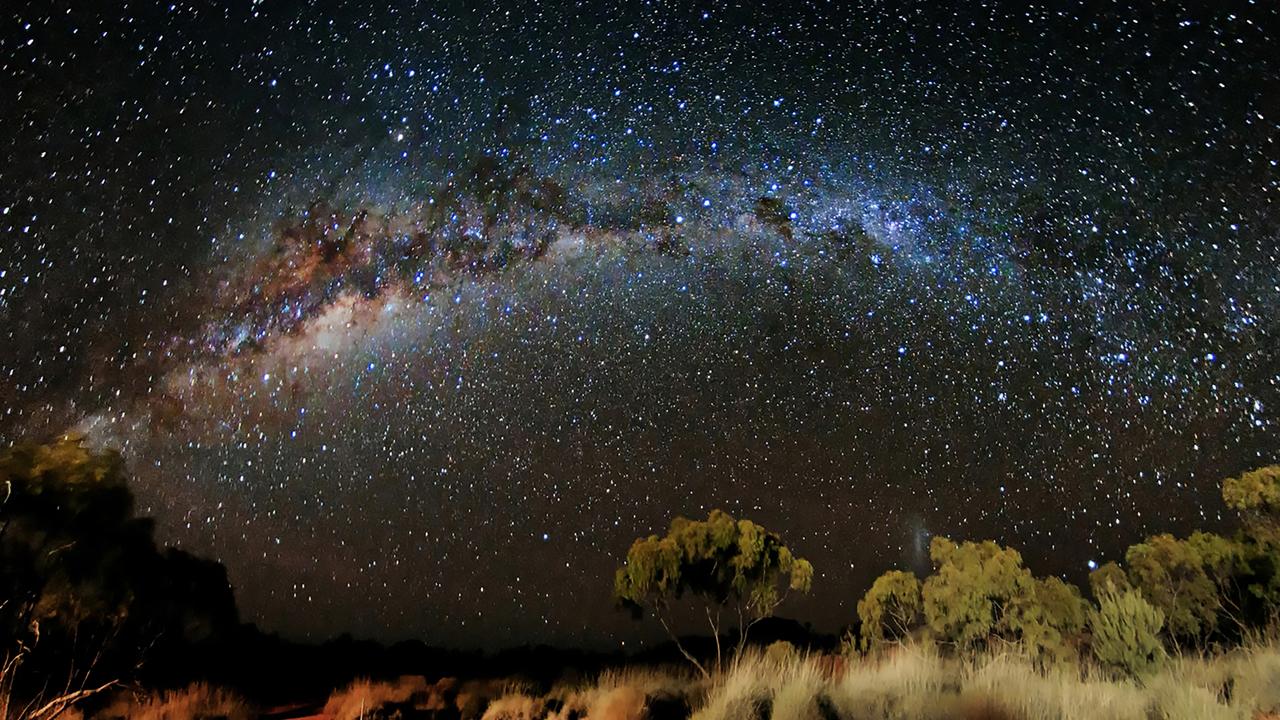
(90, 597)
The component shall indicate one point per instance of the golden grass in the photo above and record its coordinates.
(515, 706)
(915, 683)
(364, 697)
(198, 701)
(622, 694)
(912, 682)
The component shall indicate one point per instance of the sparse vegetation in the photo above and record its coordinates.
(365, 697)
(915, 682)
(1184, 628)
(733, 567)
(89, 597)
(198, 701)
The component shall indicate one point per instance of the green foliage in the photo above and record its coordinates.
(63, 503)
(981, 591)
(1185, 579)
(1256, 496)
(1126, 632)
(1108, 576)
(1049, 619)
(1257, 490)
(966, 597)
(889, 609)
(720, 561)
(1225, 563)
(1260, 581)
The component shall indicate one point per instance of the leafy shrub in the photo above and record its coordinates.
(965, 597)
(1185, 579)
(781, 653)
(1255, 494)
(890, 609)
(1108, 575)
(1048, 619)
(1126, 633)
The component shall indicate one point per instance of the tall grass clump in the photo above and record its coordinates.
(515, 706)
(742, 692)
(365, 697)
(198, 701)
(915, 682)
(1023, 689)
(631, 693)
(910, 681)
(1257, 679)
(802, 693)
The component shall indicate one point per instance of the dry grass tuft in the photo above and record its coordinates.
(1013, 683)
(515, 706)
(912, 682)
(198, 701)
(742, 692)
(1257, 680)
(633, 692)
(363, 697)
(475, 696)
(908, 682)
(916, 683)
(624, 702)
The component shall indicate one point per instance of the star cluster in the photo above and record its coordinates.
(415, 315)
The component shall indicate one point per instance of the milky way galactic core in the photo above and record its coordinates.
(416, 314)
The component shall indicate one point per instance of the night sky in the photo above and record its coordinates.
(416, 314)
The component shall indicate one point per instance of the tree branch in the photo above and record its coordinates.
(54, 707)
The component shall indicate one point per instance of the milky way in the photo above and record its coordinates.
(415, 316)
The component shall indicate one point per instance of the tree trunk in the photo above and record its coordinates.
(715, 633)
(683, 651)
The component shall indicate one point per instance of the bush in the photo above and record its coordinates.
(1126, 633)
(781, 653)
(1185, 578)
(973, 582)
(89, 595)
(1049, 619)
(720, 561)
(1108, 576)
(890, 609)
